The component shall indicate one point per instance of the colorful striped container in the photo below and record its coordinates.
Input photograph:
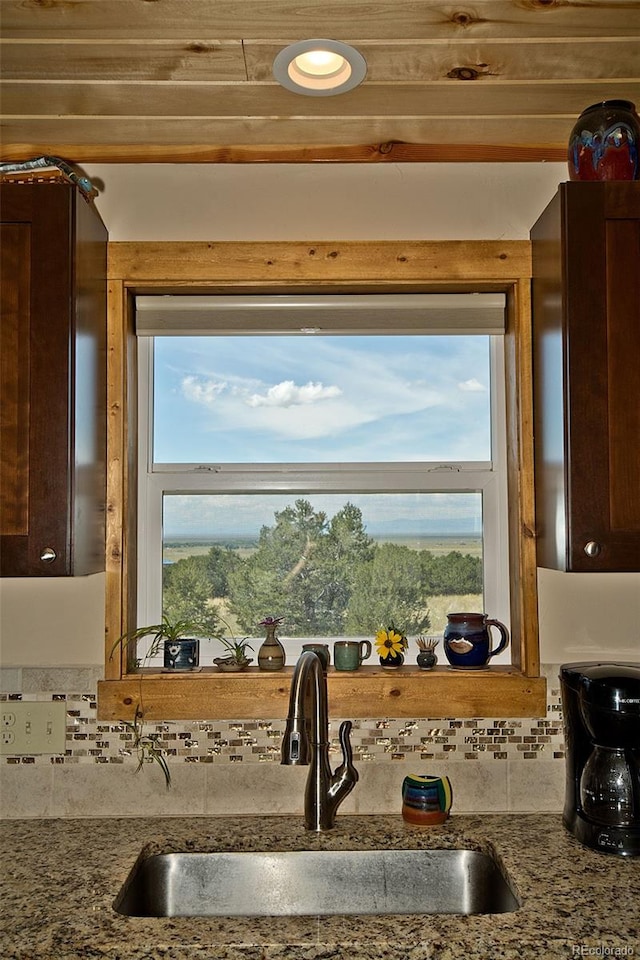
(426, 800)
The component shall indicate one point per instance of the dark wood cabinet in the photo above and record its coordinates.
(586, 343)
(53, 386)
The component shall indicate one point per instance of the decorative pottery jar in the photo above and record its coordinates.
(426, 801)
(467, 640)
(604, 142)
(271, 655)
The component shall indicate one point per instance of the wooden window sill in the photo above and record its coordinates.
(369, 692)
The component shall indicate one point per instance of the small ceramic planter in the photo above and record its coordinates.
(231, 665)
(181, 654)
(427, 658)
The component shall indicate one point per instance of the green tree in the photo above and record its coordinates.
(303, 569)
(389, 589)
(275, 580)
(339, 555)
(186, 593)
(453, 573)
(221, 561)
(325, 576)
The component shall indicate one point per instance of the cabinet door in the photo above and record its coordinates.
(622, 244)
(53, 341)
(14, 360)
(586, 303)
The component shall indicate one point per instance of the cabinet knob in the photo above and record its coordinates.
(48, 555)
(592, 548)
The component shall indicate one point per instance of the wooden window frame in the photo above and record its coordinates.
(345, 267)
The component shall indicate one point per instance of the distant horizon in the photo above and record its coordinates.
(431, 535)
(383, 515)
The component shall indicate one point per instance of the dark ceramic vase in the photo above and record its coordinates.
(427, 660)
(392, 661)
(604, 142)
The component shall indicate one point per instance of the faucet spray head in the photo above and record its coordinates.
(296, 751)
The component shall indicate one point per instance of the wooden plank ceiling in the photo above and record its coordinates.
(191, 80)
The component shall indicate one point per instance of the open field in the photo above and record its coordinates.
(439, 607)
(176, 549)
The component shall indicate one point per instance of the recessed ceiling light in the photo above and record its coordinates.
(319, 68)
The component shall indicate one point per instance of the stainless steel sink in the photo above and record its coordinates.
(312, 883)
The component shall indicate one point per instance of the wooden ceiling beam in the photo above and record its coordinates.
(171, 81)
(289, 20)
(267, 103)
(389, 152)
(418, 61)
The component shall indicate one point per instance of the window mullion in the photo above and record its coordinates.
(150, 494)
(379, 479)
(495, 510)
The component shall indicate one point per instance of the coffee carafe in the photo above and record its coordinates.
(601, 705)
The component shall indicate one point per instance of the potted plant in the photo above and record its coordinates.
(146, 746)
(236, 658)
(390, 646)
(181, 651)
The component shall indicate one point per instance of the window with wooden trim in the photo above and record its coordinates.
(282, 268)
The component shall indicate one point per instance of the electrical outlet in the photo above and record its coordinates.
(28, 728)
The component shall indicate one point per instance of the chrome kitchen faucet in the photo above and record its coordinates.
(306, 743)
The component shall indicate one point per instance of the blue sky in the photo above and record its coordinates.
(321, 398)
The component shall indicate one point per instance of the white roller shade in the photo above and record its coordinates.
(262, 314)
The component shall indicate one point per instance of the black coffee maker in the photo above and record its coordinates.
(601, 704)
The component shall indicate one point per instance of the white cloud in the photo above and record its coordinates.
(472, 386)
(289, 394)
(205, 392)
(350, 390)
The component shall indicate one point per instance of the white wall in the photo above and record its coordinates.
(53, 621)
(581, 616)
(409, 201)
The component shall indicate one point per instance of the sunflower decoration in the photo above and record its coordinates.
(390, 645)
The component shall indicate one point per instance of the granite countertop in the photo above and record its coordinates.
(60, 878)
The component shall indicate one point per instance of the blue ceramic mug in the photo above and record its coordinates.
(467, 639)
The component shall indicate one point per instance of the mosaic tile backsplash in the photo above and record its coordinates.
(379, 744)
(91, 741)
